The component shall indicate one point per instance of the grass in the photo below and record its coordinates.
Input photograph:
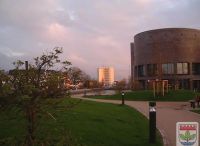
(147, 95)
(196, 111)
(89, 124)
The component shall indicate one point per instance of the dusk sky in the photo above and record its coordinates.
(93, 33)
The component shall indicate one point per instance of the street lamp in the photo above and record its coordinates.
(152, 122)
(123, 97)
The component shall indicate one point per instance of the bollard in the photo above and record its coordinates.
(193, 104)
(152, 122)
(198, 101)
(85, 92)
(122, 98)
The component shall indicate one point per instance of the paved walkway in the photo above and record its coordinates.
(168, 113)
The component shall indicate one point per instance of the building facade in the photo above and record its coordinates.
(171, 54)
(106, 76)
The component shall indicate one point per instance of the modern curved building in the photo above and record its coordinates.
(172, 54)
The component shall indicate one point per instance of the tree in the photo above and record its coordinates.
(94, 84)
(5, 88)
(77, 76)
(120, 85)
(47, 61)
(74, 75)
(28, 88)
(130, 83)
(85, 78)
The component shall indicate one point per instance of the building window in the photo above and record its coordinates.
(196, 68)
(141, 70)
(182, 68)
(151, 69)
(136, 71)
(168, 68)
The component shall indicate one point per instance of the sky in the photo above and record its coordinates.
(93, 33)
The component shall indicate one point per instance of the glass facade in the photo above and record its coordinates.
(168, 68)
(196, 84)
(141, 71)
(182, 68)
(183, 83)
(136, 71)
(152, 69)
(171, 72)
(196, 68)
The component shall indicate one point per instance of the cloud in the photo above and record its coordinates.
(92, 33)
(57, 32)
(11, 53)
(8, 56)
(77, 59)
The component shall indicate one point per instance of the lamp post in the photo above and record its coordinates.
(122, 97)
(152, 122)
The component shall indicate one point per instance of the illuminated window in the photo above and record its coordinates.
(141, 70)
(164, 69)
(136, 71)
(168, 68)
(185, 68)
(151, 69)
(196, 68)
(182, 68)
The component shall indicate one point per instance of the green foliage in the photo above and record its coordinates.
(54, 85)
(6, 89)
(28, 88)
(18, 64)
(38, 80)
(5, 86)
(49, 59)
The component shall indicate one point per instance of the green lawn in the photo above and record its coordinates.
(196, 111)
(89, 124)
(147, 95)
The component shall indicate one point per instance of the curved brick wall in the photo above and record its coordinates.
(167, 45)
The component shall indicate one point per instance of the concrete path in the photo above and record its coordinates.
(168, 113)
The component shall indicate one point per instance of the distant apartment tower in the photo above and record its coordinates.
(106, 76)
